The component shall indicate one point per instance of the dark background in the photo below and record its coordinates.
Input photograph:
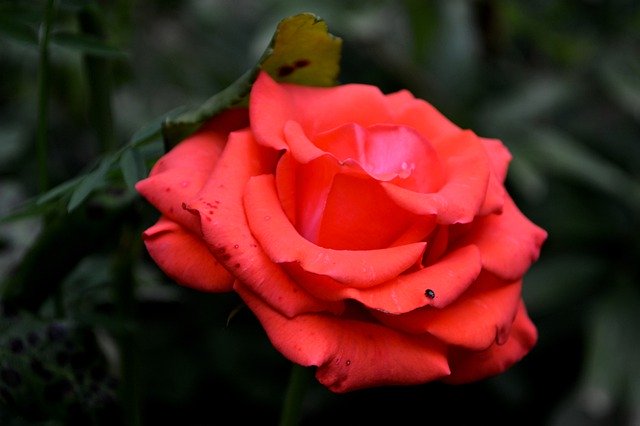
(92, 332)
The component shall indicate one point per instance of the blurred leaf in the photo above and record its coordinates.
(535, 97)
(301, 51)
(86, 44)
(132, 166)
(90, 182)
(62, 244)
(561, 154)
(621, 75)
(58, 191)
(612, 362)
(18, 31)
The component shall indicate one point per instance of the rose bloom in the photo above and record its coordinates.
(371, 236)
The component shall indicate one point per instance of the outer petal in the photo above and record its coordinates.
(185, 258)
(178, 175)
(499, 158)
(459, 200)
(420, 115)
(468, 366)
(350, 354)
(447, 279)
(509, 242)
(481, 316)
(316, 108)
(361, 268)
(226, 232)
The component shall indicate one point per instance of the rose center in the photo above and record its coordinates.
(388, 153)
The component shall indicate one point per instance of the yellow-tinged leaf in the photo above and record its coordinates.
(303, 52)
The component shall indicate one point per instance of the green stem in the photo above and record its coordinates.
(292, 406)
(99, 80)
(43, 98)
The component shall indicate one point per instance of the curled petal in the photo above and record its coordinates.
(481, 316)
(446, 279)
(468, 366)
(167, 191)
(226, 232)
(460, 198)
(317, 109)
(350, 354)
(280, 240)
(181, 173)
(499, 158)
(509, 242)
(420, 115)
(185, 258)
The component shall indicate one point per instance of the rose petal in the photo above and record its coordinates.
(499, 158)
(480, 317)
(386, 152)
(420, 115)
(226, 232)
(468, 366)
(185, 258)
(167, 191)
(447, 279)
(317, 109)
(280, 240)
(179, 174)
(350, 354)
(509, 242)
(351, 222)
(459, 200)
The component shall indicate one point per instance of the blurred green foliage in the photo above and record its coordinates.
(557, 81)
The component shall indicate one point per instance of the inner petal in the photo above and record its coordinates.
(359, 215)
(389, 153)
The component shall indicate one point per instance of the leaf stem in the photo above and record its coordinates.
(292, 405)
(43, 97)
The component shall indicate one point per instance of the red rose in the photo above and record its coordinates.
(371, 237)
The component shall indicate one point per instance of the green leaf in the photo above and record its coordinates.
(132, 166)
(174, 130)
(86, 44)
(301, 51)
(91, 182)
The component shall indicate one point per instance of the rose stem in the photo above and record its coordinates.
(298, 383)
